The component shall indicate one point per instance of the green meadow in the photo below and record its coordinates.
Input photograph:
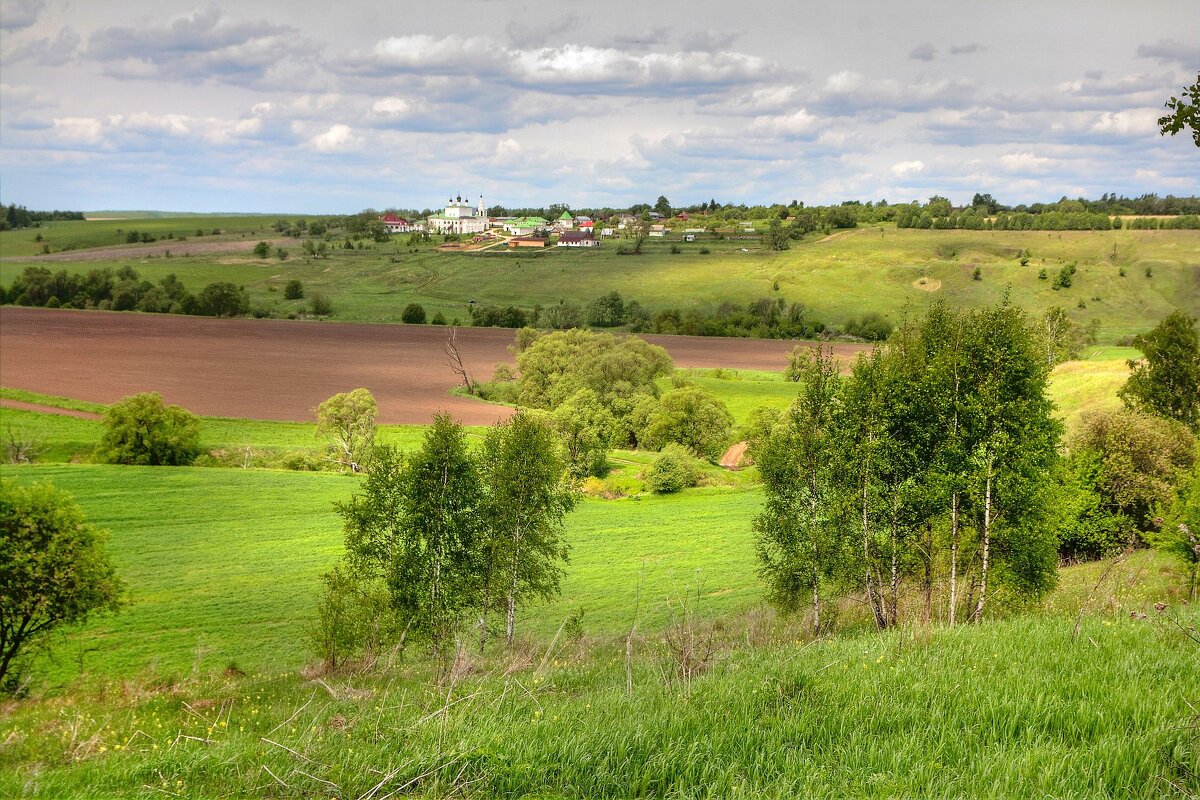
(1125, 280)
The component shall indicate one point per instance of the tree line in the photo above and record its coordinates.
(14, 217)
(125, 290)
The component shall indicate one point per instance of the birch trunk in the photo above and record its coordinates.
(987, 540)
(953, 555)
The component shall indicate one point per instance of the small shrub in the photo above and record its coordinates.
(438, 319)
(1042, 275)
(977, 275)
(320, 305)
(675, 250)
(674, 469)
(1149, 272)
(294, 290)
(413, 314)
(1121, 272)
(262, 249)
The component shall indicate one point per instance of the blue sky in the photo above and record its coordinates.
(323, 108)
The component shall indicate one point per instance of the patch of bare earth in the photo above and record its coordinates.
(927, 284)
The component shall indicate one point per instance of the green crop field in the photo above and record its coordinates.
(876, 269)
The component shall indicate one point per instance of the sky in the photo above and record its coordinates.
(303, 107)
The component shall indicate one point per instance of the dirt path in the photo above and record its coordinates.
(160, 248)
(734, 455)
(65, 412)
(281, 369)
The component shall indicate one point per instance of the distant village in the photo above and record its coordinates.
(461, 219)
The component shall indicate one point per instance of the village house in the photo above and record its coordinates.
(524, 226)
(528, 241)
(460, 217)
(396, 224)
(565, 221)
(658, 230)
(577, 239)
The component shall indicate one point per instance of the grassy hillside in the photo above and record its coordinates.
(1017, 708)
(882, 270)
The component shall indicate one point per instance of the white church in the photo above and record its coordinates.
(459, 217)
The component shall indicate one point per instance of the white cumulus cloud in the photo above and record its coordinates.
(904, 169)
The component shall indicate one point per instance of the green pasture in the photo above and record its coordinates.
(1024, 707)
(876, 269)
(222, 564)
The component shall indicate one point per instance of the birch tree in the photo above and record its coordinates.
(799, 544)
(529, 493)
(416, 524)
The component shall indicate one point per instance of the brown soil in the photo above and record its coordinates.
(734, 455)
(927, 284)
(280, 369)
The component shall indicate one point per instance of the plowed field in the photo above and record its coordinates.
(279, 369)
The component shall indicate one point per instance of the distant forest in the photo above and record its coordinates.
(16, 216)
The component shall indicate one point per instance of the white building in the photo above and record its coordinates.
(459, 217)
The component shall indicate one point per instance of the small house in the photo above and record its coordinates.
(528, 241)
(577, 239)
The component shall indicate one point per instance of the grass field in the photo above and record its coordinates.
(1017, 708)
(223, 564)
(881, 270)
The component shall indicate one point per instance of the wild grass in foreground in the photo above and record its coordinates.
(1018, 708)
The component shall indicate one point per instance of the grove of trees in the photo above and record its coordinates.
(926, 467)
(447, 537)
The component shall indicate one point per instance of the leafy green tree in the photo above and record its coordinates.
(262, 250)
(222, 299)
(673, 470)
(413, 314)
(798, 542)
(606, 311)
(1062, 338)
(416, 526)
(1166, 381)
(141, 429)
(692, 417)
(1012, 436)
(1185, 113)
(1180, 532)
(777, 235)
(663, 206)
(293, 290)
(54, 571)
(559, 364)
(1136, 461)
(586, 428)
(528, 494)
(347, 422)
